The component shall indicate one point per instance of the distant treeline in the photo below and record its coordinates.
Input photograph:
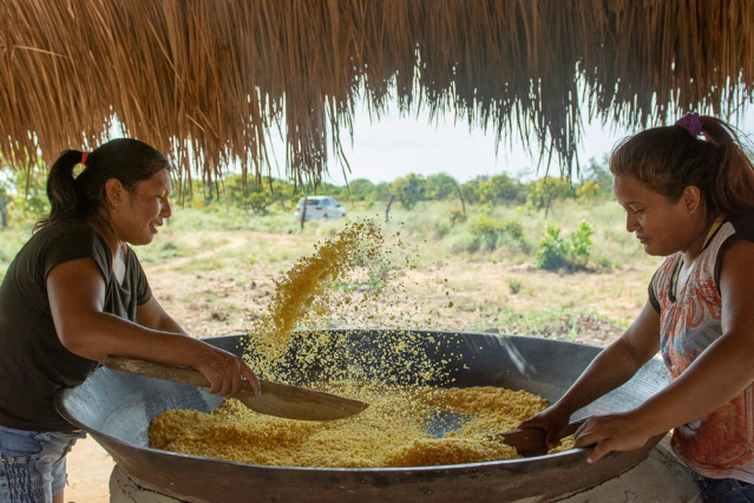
(594, 181)
(23, 199)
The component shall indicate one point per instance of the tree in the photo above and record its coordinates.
(439, 187)
(409, 190)
(361, 190)
(258, 198)
(500, 189)
(598, 178)
(25, 196)
(470, 191)
(545, 190)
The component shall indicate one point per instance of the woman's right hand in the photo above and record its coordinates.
(224, 371)
(553, 421)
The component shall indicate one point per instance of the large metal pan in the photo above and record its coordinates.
(116, 409)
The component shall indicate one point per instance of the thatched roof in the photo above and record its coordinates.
(206, 79)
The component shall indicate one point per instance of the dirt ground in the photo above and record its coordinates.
(225, 299)
(89, 467)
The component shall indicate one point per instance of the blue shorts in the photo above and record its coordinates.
(725, 490)
(32, 464)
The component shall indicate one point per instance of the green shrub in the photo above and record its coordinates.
(457, 216)
(486, 230)
(493, 232)
(581, 241)
(553, 250)
(513, 229)
(514, 285)
(556, 252)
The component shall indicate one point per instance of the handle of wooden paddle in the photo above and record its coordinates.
(531, 441)
(527, 441)
(156, 370)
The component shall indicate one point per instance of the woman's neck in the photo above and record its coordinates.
(703, 235)
(101, 223)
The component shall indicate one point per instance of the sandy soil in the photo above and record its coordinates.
(89, 467)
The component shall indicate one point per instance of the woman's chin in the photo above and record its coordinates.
(653, 250)
(649, 249)
(144, 239)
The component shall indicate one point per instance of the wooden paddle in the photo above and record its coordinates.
(277, 399)
(530, 442)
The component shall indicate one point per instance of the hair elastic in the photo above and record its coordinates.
(691, 123)
(84, 155)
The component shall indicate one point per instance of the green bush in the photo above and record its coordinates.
(457, 216)
(581, 241)
(553, 250)
(486, 230)
(515, 285)
(492, 232)
(556, 252)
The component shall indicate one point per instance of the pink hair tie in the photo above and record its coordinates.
(691, 123)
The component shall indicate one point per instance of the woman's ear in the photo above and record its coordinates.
(114, 193)
(692, 199)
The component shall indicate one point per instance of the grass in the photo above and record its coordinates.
(209, 260)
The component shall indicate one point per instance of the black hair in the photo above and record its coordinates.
(669, 159)
(127, 160)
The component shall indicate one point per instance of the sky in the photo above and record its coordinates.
(395, 146)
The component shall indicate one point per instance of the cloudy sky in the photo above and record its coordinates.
(396, 146)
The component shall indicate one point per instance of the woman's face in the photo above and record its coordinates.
(661, 225)
(143, 210)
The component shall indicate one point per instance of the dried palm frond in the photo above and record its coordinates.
(206, 80)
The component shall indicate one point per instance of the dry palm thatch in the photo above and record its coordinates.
(206, 80)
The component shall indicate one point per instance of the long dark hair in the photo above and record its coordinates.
(669, 159)
(127, 160)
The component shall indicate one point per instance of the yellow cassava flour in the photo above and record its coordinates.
(391, 432)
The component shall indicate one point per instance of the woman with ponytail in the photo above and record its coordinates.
(75, 293)
(688, 193)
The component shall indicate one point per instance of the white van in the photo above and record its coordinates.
(319, 207)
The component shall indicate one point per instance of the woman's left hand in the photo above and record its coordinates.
(615, 432)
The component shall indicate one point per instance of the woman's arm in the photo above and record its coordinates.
(76, 292)
(612, 367)
(617, 363)
(717, 376)
(152, 315)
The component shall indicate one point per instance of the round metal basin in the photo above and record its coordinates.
(116, 409)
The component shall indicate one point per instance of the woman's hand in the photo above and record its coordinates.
(615, 432)
(552, 420)
(224, 371)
